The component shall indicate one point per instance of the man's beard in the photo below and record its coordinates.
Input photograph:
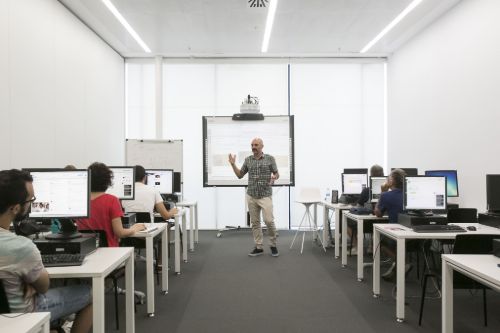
(22, 215)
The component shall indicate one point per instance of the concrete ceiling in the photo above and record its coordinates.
(231, 28)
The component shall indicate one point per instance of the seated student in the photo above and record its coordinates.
(375, 171)
(147, 198)
(25, 280)
(105, 209)
(391, 202)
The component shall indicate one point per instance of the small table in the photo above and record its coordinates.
(34, 322)
(482, 268)
(193, 216)
(97, 266)
(150, 287)
(401, 234)
(360, 221)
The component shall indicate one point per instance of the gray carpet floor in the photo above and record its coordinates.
(221, 289)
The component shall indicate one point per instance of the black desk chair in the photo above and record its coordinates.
(462, 215)
(464, 244)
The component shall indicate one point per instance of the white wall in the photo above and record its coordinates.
(443, 98)
(61, 89)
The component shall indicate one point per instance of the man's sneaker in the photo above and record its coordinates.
(256, 252)
(354, 251)
(274, 251)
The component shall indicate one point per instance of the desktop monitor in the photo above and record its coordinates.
(409, 171)
(353, 183)
(493, 193)
(376, 187)
(356, 170)
(60, 193)
(161, 179)
(423, 193)
(451, 180)
(177, 182)
(123, 186)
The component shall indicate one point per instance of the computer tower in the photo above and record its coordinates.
(493, 193)
(491, 220)
(82, 245)
(411, 220)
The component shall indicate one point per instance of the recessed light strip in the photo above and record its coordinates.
(126, 25)
(391, 25)
(269, 24)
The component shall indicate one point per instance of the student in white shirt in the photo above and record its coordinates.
(147, 198)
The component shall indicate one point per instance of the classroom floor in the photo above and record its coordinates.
(221, 289)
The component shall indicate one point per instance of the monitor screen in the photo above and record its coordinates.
(451, 180)
(493, 193)
(60, 193)
(376, 187)
(123, 186)
(424, 193)
(161, 179)
(409, 171)
(353, 183)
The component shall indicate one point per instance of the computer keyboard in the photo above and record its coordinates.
(62, 259)
(149, 228)
(438, 228)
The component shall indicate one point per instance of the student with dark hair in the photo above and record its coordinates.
(391, 202)
(147, 198)
(25, 280)
(105, 209)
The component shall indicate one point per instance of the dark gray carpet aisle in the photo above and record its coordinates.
(221, 289)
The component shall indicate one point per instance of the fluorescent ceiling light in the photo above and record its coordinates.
(269, 24)
(127, 26)
(391, 25)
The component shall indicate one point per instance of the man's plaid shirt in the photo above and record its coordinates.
(259, 175)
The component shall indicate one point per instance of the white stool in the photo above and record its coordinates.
(308, 196)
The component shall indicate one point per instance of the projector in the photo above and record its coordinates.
(249, 110)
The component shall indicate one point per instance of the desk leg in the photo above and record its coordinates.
(177, 265)
(46, 327)
(447, 300)
(326, 227)
(129, 294)
(344, 240)
(164, 261)
(376, 263)
(191, 228)
(196, 223)
(184, 239)
(400, 278)
(149, 277)
(337, 233)
(98, 304)
(360, 250)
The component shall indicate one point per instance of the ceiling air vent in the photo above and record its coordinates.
(258, 3)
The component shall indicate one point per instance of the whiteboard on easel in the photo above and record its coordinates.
(155, 154)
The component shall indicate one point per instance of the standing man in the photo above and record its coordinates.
(262, 173)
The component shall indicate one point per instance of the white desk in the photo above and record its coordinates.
(97, 266)
(177, 267)
(482, 268)
(337, 208)
(360, 221)
(193, 218)
(149, 236)
(33, 322)
(401, 234)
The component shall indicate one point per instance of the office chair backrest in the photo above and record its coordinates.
(473, 244)
(4, 301)
(462, 215)
(101, 234)
(142, 217)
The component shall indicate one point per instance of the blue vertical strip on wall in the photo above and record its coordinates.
(289, 198)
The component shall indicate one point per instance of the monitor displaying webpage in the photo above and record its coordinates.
(123, 183)
(353, 183)
(376, 187)
(425, 193)
(60, 194)
(162, 180)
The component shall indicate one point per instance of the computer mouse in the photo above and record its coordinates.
(471, 228)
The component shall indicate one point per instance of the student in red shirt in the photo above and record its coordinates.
(105, 209)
